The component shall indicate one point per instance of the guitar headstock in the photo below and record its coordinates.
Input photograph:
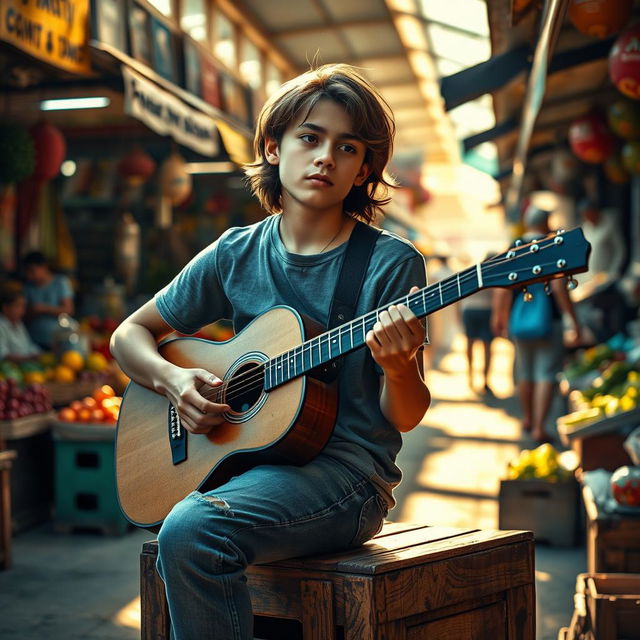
(553, 256)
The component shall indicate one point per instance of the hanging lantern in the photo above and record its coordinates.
(624, 119)
(615, 170)
(624, 62)
(175, 180)
(600, 18)
(50, 150)
(631, 157)
(590, 138)
(137, 166)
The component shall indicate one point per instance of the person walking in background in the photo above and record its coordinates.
(475, 312)
(537, 361)
(48, 295)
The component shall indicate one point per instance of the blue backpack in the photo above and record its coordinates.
(531, 320)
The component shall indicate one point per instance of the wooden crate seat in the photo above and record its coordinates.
(411, 582)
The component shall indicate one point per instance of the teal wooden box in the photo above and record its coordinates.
(85, 488)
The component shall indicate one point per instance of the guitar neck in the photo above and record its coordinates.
(350, 336)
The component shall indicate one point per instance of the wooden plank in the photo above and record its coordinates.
(27, 426)
(521, 614)
(318, 620)
(437, 550)
(453, 580)
(359, 623)
(154, 621)
(486, 623)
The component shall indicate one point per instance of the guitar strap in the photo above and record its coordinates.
(349, 284)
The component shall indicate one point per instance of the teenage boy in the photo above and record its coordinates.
(322, 143)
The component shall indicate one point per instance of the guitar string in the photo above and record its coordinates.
(246, 383)
(253, 378)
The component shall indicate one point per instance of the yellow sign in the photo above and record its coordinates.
(54, 31)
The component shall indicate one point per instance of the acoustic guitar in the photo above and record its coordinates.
(282, 408)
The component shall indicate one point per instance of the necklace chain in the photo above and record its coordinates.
(326, 246)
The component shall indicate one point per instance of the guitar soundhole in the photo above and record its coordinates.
(245, 387)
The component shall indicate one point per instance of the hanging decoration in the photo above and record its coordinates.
(591, 139)
(615, 170)
(631, 157)
(137, 166)
(564, 168)
(624, 62)
(624, 119)
(175, 180)
(50, 150)
(599, 18)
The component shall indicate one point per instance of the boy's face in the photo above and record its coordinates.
(36, 273)
(319, 158)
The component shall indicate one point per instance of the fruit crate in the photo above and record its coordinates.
(611, 604)
(598, 444)
(85, 488)
(549, 509)
(26, 426)
(63, 393)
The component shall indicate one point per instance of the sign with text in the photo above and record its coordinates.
(168, 115)
(54, 31)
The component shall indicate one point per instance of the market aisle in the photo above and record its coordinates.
(85, 586)
(453, 463)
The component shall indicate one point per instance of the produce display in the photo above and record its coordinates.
(542, 463)
(20, 400)
(625, 486)
(607, 377)
(102, 406)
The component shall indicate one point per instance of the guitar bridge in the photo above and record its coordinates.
(177, 436)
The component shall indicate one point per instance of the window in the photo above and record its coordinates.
(273, 78)
(194, 19)
(163, 6)
(224, 46)
(251, 64)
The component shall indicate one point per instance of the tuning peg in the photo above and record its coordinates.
(572, 283)
(527, 295)
(547, 288)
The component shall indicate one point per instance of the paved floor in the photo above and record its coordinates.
(85, 586)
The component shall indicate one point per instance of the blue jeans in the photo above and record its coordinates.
(266, 514)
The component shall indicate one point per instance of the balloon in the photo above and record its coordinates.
(137, 166)
(631, 157)
(175, 180)
(615, 170)
(624, 62)
(50, 149)
(600, 18)
(624, 119)
(590, 138)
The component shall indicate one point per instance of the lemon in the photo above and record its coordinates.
(72, 359)
(96, 361)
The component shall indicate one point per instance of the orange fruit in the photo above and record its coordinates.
(73, 359)
(76, 405)
(84, 415)
(97, 415)
(96, 361)
(89, 402)
(67, 414)
(105, 391)
(63, 373)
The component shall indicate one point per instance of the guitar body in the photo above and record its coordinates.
(289, 424)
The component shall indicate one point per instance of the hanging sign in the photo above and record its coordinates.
(54, 31)
(168, 115)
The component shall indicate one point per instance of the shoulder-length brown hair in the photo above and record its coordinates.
(372, 120)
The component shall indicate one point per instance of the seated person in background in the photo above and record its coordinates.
(15, 343)
(48, 295)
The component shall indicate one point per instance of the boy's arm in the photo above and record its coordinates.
(395, 343)
(134, 345)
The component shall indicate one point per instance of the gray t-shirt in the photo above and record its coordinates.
(248, 270)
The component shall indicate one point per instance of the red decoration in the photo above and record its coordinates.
(625, 486)
(137, 166)
(590, 138)
(50, 148)
(624, 62)
(600, 18)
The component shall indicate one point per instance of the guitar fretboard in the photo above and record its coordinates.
(347, 337)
